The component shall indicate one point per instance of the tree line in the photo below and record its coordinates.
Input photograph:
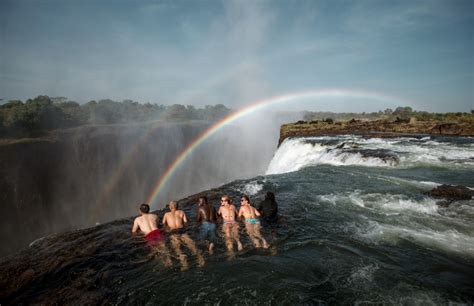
(40, 114)
(400, 113)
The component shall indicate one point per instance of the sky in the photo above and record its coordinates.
(206, 52)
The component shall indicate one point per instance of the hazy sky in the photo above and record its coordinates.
(235, 52)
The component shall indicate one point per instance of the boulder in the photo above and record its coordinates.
(451, 192)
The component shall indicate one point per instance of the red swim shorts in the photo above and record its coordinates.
(154, 237)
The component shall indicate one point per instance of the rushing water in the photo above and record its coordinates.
(355, 228)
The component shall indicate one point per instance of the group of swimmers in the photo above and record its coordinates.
(207, 216)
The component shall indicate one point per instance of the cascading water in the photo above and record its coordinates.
(356, 227)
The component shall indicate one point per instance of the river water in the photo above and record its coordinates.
(355, 227)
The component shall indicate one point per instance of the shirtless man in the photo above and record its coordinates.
(252, 224)
(230, 227)
(147, 223)
(207, 217)
(175, 220)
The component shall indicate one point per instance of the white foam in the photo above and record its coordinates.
(385, 203)
(252, 188)
(363, 274)
(297, 153)
(294, 154)
(36, 241)
(450, 241)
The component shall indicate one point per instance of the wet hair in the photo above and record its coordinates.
(246, 198)
(226, 197)
(145, 208)
(173, 204)
(204, 198)
(270, 196)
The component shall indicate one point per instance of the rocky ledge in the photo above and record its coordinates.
(375, 128)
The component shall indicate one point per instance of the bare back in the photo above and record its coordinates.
(228, 212)
(207, 213)
(145, 223)
(248, 212)
(175, 219)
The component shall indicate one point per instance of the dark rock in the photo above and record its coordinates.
(27, 276)
(402, 120)
(451, 192)
(447, 129)
(383, 154)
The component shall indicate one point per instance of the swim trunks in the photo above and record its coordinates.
(177, 231)
(207, 231)
(252, 221)
(154, 237)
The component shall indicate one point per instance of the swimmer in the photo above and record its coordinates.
(175, 220)
(207, 217)
(252, 224)
(230, 227)
(268, 208)
(148, 224)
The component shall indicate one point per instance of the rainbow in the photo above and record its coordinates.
(253, 107)
(119, 171)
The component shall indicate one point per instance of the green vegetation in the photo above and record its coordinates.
(41, 114)
(400, 114)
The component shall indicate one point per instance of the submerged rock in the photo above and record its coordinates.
(451, 192)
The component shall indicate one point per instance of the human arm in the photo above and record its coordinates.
(185, 219)
(236, 213)
(257, 213)
(165, 219)
(135, 226)
(241, 212)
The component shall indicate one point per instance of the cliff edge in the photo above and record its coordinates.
(375, 128)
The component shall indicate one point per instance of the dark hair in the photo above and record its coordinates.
(204, 198)
(270, 196)
(145, 208)
(246, 198)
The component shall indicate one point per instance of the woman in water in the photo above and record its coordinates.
(252, 224)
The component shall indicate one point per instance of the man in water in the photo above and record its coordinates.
(207, 217)
(268, 208)
(148, 224)
(175, 220)
(230, 227)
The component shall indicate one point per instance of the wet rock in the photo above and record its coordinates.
(385, 155)
(27, 276)
(451, 192)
